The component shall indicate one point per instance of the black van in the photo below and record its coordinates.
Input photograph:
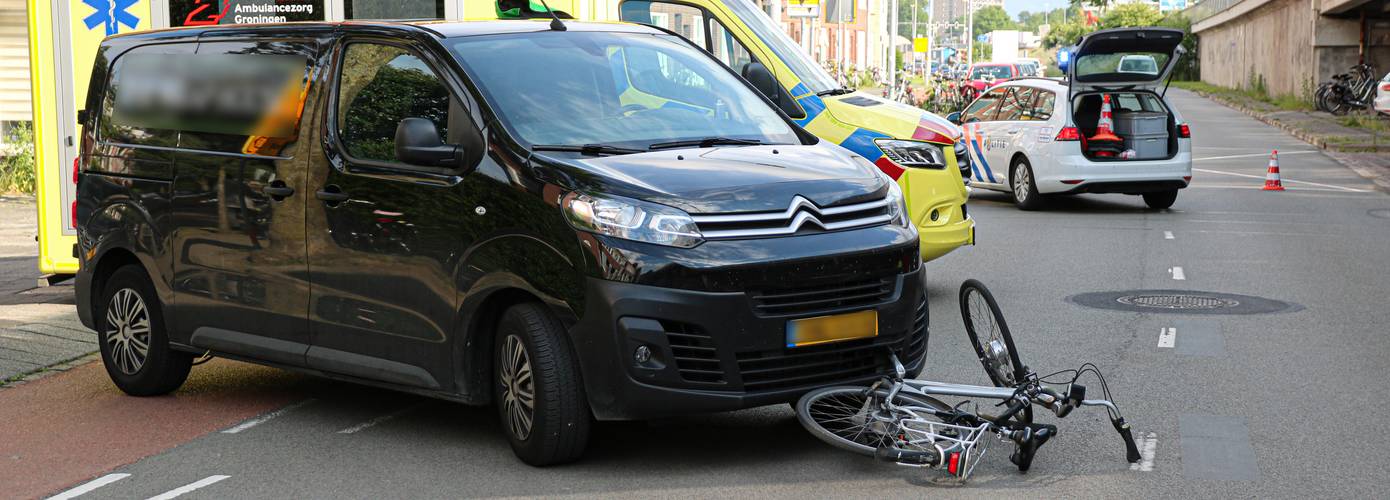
(601, 222)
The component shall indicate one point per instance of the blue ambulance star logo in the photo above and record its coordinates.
(112, 14)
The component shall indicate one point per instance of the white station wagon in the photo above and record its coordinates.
(1028, 136)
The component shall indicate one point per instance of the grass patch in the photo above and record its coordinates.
(1287, 102)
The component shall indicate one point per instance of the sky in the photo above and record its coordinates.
(1015, 6)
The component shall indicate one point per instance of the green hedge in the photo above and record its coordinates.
(17, 173)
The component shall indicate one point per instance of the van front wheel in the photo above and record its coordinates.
(1160, 200)
(134, 345)
(538, 391)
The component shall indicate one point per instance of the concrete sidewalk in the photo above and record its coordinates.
(39, 330)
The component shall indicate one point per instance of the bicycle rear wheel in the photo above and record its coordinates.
(989, 335)
(853, 419)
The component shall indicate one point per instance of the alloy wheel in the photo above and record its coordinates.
(518, 387)
(1021, 182)
(128, 330)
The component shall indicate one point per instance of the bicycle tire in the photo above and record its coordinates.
(998, 331)
(807, 413)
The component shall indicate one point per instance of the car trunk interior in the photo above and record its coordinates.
(1140, 117)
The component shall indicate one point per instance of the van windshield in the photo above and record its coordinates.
(620, 89)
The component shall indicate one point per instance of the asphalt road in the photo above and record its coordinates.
(1267, 405)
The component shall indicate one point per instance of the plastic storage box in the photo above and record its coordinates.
(1147, 146)
(1140, 123)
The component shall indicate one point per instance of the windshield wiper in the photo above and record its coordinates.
(707, 142)
(839, 91)
(587, 149)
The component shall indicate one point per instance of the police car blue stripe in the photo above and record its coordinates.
(981, 155)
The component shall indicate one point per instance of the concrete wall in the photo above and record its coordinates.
(1273, 40)
(1290, 43)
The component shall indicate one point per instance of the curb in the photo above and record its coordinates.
(1298, 133)
(49, 370)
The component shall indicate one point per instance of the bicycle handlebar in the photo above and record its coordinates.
(1131, 450)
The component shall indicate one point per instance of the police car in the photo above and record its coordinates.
(1031, 137)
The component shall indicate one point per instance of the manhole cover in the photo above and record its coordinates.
(1177, 301)
(1181, 302)
(1383, 213)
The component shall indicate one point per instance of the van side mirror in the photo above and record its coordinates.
(762, 79)
(954, 117)
(418, 143)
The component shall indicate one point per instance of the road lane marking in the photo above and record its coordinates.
(1167, 235)
(1255, 155)
(1147, 445)
(381, 419)
(89, 486)
(263, 418)
(1333, 186)
(1167, 336)
(1177, 273)
(174, 493)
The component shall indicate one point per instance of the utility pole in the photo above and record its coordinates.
(892, 67)
(916, 6)
(970, 32)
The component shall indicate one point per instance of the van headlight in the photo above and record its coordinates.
(631, 220)
(897, 206)
(912, 154)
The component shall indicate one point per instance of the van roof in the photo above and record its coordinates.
(441, 29)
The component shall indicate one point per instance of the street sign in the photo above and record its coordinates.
(921, 44)
(803, 8)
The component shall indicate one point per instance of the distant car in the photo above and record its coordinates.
(1032, 66)
(1382, 102)
(1138, 64)
(1030, 137)
(983, 75)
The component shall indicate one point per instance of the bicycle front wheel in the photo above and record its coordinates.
(989, 335)
(854, 419)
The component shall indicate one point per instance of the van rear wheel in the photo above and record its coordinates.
(1160, 200)
(538, 391)
(134, 345)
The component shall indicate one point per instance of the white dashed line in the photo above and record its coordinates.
(1254, 155)
(1167, 235)
(1177, 273)
(1167, 337)
(1147, 446)
(263, 418)
(89, 486)
(174, 493)
(1343, 188)
(380, 419)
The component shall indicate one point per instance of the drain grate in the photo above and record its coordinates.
(1177, 301)
(1181, 302)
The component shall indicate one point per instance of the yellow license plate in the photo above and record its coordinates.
(836, 328)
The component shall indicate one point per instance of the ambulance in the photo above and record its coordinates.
(916, 148)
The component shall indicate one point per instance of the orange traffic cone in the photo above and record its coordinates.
(1272, 177)
(1105, 143)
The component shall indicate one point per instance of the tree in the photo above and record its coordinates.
(992, 18)
(1130, 14)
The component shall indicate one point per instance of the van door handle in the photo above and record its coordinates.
(332, 194)
(278, 190)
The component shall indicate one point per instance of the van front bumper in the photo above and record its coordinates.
(937, 241)
(718, 351)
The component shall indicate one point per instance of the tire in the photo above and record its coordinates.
(809, 412)
(997, 354)
(133, 341)
(1160, 200)
(555, 429)
(1023, 187)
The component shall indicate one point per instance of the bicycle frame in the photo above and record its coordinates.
(930, 388)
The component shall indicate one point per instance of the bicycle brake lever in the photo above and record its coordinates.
(1131, 450)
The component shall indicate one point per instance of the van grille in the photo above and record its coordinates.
(763, 371)
(801, 213)
(696, 358)
(824, 298)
